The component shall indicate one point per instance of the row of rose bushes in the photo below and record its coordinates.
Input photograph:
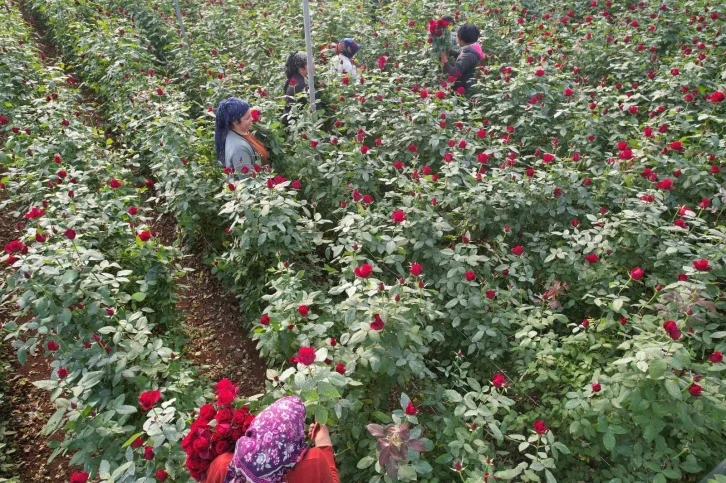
(452, 206)
(95, 288)
(581, 190)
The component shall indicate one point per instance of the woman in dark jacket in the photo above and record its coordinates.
(296, 71)
(467, 58)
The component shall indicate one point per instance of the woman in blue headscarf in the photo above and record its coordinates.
(237, 149)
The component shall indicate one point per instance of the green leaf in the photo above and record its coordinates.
(508, 474)
(46, 385)
(321, 414)
(453, 395)
(139, 296)
(365, 462)
(609, 441)
(673, 388)
(328, 390)
(657, 368)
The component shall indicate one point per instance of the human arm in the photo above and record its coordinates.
(465, 61)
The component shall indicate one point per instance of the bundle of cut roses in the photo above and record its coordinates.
(439, 36)
(216, 430)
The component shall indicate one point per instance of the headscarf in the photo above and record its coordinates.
(229, 110)
(272, 446)
(350, 47)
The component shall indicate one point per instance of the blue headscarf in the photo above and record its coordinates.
(350, 47)
(228, 111)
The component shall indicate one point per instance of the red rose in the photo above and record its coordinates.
(540, 427)
(161, 475)
(633, 109)
(132, 210)
(148, 399)
(568, 92)
(364, 271)
(377, 323)
(114, 183)
(223, 416)
(144, 236)
(364, 149)
(62, 373)
(305, 356)
(682, 277)
(499, 380)
(518, 250)
(717, 96)
(303, 310)
(79, 477)
(491, 294)
(70, 234)
(148, 453)
(398, 216)
(15, 246)
(296, 184)
(416, 269)
(137, 443)
(695, 390)
(637, 273)
(548, 158)
(265, 319)
(539, 72)
(666, 184)
(676, 146)
(411, 410)
(340, 368)
(596, 387)
(592, 258)
(398, 165)
(52, 346)
(716, 357)
(222, 446)
(470, 276)
(702, 265)
(226, 395)
(240, 416)
(623, 320)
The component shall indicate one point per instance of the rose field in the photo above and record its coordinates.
(526, 282)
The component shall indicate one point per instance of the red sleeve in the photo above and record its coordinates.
(318, 466)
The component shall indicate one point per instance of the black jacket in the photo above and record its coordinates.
(293, 87)
(466, 61)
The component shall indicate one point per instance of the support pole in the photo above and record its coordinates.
(181, 23)
(309, 47)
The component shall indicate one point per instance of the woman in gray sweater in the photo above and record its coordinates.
(237, 149)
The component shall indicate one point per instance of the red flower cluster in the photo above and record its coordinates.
(436, 27)
(207, 440)
(672, 329)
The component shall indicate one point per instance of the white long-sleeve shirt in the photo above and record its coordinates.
(343, 65)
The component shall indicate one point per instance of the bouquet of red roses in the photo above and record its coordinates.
(439, 36)
(216, 430)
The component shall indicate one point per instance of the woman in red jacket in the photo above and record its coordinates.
(273, 450)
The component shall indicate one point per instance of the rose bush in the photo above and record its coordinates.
(581, 183)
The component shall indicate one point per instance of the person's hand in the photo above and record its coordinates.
(319, 435)
(444, 57)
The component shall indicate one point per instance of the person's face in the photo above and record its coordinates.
(244, 124)
(303, 71)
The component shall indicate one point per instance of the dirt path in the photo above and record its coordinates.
(213, 324)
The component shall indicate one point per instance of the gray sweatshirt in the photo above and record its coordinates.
(238, 152)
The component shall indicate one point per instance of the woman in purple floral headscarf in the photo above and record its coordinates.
(273, 450)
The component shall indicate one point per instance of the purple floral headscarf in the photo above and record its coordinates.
(272, 446)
